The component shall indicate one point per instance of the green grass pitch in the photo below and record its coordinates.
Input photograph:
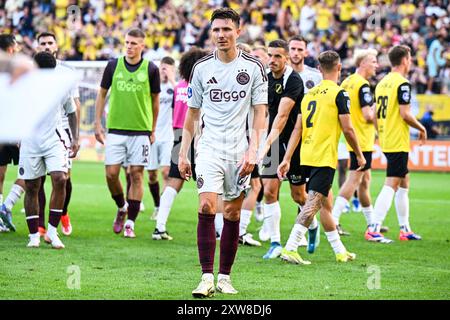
(111, 267)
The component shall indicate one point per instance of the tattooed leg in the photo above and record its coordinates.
(313, 204)
(304, 219)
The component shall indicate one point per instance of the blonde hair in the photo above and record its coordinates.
(361, 54)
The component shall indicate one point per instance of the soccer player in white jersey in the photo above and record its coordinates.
(175, 182)
(47, 42)
(45, 152)
(249, 203)
(225, 86)
(297, 53)
(161, 149)
(260, 52)
(9, 153)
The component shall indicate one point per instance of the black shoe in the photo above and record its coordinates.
(384, 229)
(158, 235)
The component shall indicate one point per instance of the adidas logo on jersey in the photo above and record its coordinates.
(212, 81)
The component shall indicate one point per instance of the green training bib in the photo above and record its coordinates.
(130, 103)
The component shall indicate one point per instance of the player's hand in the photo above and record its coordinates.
(74, 149)
(361, 162)
(184, 166)
(422, 137)
(247, 163)
(283, 169)
(152, 137)
(100, 134)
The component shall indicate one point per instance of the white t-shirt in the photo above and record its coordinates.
(61, 66)
(307, 19)
(48, 132)
(311, 77)
(435, 10)
(164, 131)
(225, 92)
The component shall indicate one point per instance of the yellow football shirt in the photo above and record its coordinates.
(360, 97)
(323, 20)
(321, 128)
(391, 92)
(346, 11)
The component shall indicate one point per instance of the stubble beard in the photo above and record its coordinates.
(300, 62)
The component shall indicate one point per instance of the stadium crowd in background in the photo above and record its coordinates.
(95, 30)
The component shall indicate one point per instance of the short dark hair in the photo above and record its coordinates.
(397, 53)
(298, 38)
(136, 32)
(45, 60)
(168, 60)
(279, 44)
(46, 34)
(226, 13)
(7, 41)
(188, 59)
(328, 60)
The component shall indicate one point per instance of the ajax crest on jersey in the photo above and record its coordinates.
(243, 78)
(141, 76)
(309, 84)
(200, 182)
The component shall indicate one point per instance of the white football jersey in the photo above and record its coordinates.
(311, 77)
(61, 66)
(48, 132)
(164, 131)
(225, 92)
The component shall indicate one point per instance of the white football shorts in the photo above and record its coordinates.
(53, 159)
(124, 149)
(160, 154)
(220, 176)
